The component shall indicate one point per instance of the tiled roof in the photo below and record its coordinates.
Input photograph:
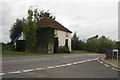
(53, 23)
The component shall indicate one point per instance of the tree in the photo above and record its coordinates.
(17, 28)
(29, 30)
(93, 37)
(75, 42)
(92, 45)
(105, 44)
(47, 14)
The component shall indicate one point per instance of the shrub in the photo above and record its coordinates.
(63, 49)
(8, 47)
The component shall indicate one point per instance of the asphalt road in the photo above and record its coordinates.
(57, 66)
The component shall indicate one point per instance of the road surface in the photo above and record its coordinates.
(57, 66)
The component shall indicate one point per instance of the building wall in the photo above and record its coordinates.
(21, 37)
(62, 37)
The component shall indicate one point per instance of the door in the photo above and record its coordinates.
(56, 45)
(20, 45)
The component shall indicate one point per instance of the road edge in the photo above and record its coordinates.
(109, 63)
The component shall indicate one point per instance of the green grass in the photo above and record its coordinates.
(19, 53)
(76, 51)
(5, 52)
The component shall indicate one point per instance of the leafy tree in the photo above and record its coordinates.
(105, 44)
(17, 28)
(47, 14)
(92, 45)
(100, 45)
(75, 42)
(30, 30)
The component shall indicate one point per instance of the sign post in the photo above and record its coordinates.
(115, 54)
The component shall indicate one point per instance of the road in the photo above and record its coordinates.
(57, 66)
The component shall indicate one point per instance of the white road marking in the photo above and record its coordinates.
(2, 74)
(101, 62)
(69, 64)
(58, 66)
(113, 68)
(75, 63)
(109, 63)
(39, 68)
(28, 70)
(63, 65)
(83, 61)
(50, 67)
(89, 60)
(106, 65)
(15, 72)
(98, 60)
(79, 62)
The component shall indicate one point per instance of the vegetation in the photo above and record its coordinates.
(38, 37)
(47, 14)
(76, 43)
(8, 47)
(7, 52)
(45, 38)
(63, 49)
(78, 51)
(29, 30)
(17, 28)
(93, 44)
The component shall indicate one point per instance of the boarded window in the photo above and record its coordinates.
(66, 34)
(55, 32)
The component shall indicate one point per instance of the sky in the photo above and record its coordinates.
(85, 17)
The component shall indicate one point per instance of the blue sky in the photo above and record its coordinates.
(86, 17)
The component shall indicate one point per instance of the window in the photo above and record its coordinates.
(55, 32)
(66, 34)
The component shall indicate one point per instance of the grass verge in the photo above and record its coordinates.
(76, 51)
(114, 62)
(27, 53)
(5, 52)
